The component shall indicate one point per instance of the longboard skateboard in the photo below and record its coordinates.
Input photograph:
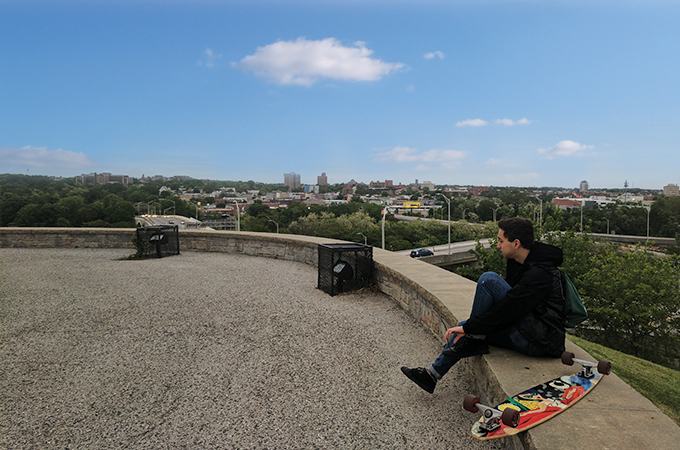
(537, 404)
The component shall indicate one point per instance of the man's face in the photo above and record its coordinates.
(507, 248)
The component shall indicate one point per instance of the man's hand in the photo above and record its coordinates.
(455, 330)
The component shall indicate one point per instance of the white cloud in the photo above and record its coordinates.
(432, 55)
(494, 162)
(209, 59)
(397, 154)
(304, 62)
(42, 158)
(565, 148)
(472, 123)
(510, 122)
(405, 154)
(441, 155)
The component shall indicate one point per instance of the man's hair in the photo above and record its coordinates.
(518, 228)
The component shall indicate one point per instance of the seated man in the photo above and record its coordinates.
(523, 312)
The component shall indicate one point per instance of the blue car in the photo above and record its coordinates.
(417, 253)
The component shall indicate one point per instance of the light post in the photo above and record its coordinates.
(494, 213)
(384, 212)
(448, 203)
(174, 210)
(607, 224)
(581, 216)
(649, 208)
(277, 225)
(238, 217)
(365, 238)
(464, 213)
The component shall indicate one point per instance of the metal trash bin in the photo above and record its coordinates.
(344, 267)
(158, 241)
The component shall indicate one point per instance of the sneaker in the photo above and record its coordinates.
(466, 347)
(421, 377)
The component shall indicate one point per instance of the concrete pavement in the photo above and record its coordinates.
(209, 350)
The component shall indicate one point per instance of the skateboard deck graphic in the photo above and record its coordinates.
(537, 404)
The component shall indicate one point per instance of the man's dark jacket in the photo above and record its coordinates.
(535, 303)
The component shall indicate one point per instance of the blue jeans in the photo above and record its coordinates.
(491, 287)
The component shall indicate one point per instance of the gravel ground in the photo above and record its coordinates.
(208, 350)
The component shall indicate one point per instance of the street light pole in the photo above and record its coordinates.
(277, 225)
(448, 202)
(365, 239)
(607, 224)
(384, 212)
(464, 213)
(649, 208)
(238, 217)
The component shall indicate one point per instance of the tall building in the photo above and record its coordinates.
(103, 178)
(584, 186)
(292, 180)
(671, 190)
(322, 180)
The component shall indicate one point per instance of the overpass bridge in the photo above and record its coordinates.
(449, 257)
(459, 252)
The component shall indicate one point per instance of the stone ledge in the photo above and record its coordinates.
(612, 416)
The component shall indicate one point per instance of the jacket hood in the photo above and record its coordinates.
(542, 253)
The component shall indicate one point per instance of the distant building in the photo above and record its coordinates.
(583, 186)
(322, 180)
(381, 184)
(671, 190)
(567, 203)
(427, 184)
(103, 178)
(292, 180)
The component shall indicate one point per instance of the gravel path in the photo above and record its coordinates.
(209, 350)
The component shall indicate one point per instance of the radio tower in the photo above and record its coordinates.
(625, 192)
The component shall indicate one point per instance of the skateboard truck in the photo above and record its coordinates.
(588, 368)
(492, 416)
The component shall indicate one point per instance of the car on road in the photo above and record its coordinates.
(417, 253)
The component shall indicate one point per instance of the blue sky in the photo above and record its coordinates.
(503, 93)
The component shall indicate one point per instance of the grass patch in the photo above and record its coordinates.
(659, 384)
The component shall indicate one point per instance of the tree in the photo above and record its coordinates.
(633, 297)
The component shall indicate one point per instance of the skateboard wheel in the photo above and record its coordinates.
(568, 358)
(604, 367)
(510, 417)
(470, 402)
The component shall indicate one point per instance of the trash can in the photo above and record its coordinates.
(158, 241)
(344, 267)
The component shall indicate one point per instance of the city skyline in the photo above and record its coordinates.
(501, 93)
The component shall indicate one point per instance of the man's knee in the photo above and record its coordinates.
(489, 276)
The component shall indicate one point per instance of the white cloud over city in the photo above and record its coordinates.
(401, 154)
(432, 55)
(481, 122)
(29, 157)
(565, 148)
(510, 122)
(210, 58)
(472, 123)
(304, 62)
